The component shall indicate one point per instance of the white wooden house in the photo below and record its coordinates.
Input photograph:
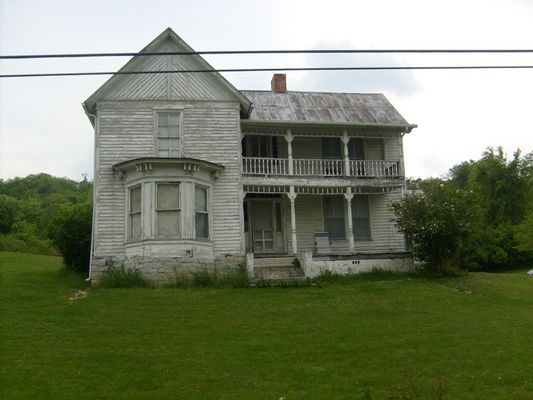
(191, 173)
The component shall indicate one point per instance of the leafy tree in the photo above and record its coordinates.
(71, 233)
(7, 213)
(29, 205)
(436, 219)
(502, 194)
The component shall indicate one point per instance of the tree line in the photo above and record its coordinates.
(47, 215)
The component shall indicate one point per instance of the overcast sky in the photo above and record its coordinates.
(459, 113)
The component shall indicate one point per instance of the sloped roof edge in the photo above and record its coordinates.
(90, 104)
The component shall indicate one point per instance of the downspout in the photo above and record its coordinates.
(95, 125)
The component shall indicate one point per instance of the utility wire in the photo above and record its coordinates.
(245, 52)
(449, 67)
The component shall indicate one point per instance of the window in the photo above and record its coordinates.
(334, 217)
(360, 217)
(167, 210)
(134, 217)
(201, 214)
(331, 148)
(168, 134)
(356, 149)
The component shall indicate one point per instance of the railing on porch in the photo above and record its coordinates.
(318, 167)
(321, 167)
(375, 168)
(265, 166)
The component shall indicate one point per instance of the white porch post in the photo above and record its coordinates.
(348, 196)
(345, 140)
(289, 138)
(292, 197)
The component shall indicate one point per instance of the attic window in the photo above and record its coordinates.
(169, 142)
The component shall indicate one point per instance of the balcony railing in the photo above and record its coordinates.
(317, 167)
(265, 166)
(374, 168)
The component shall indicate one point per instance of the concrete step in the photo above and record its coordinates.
(274, 261)
(279, 273)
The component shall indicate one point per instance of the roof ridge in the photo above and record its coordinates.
(305, 91)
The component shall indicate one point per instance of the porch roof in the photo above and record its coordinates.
(371, 109)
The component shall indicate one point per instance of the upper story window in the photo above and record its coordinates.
(169, 140)
(356, 149)
(331, 148)
(134, 213)
(167, 210)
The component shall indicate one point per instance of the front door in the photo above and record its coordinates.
(266, 226)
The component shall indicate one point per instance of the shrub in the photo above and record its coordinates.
(71, 233)
(435, 220)
(204, 278)
(237, 278)
(123, 278)
(231, 277)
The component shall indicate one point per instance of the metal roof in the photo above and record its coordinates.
(323, 107)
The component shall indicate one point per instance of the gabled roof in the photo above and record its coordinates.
(322, 107)
(203, 86)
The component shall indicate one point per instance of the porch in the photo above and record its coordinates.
(289, 220)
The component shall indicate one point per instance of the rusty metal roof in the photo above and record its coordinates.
(323, 107)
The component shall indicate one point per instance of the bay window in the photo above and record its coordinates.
(201, 217)
(167, 210)
(134, 213)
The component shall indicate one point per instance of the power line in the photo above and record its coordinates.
(247, 52)
(449, 67)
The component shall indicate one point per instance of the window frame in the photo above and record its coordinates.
(157, 210)
(206, 213)
(352, 147)
(355, 224)
(179, 137)
(331, 148)
(338, 217)
(131, 213)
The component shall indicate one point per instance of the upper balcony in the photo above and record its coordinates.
(310, 157)
(263, 166)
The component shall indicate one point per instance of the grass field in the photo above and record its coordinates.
(469, 337)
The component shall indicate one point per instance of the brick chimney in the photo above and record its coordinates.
(278, 84)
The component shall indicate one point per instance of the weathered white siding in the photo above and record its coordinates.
(123, 134)
(213, 134)
(392, 148)
(127, 131)
(374, 149)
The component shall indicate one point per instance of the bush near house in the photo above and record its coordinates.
(71, 233)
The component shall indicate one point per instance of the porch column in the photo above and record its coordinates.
(292, 197)
(348, 196)
(289, 138)
(345, 140)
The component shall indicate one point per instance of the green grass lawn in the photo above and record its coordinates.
(371, 338)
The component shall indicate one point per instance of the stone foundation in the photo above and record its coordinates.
(354, 264)
(164, 270)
